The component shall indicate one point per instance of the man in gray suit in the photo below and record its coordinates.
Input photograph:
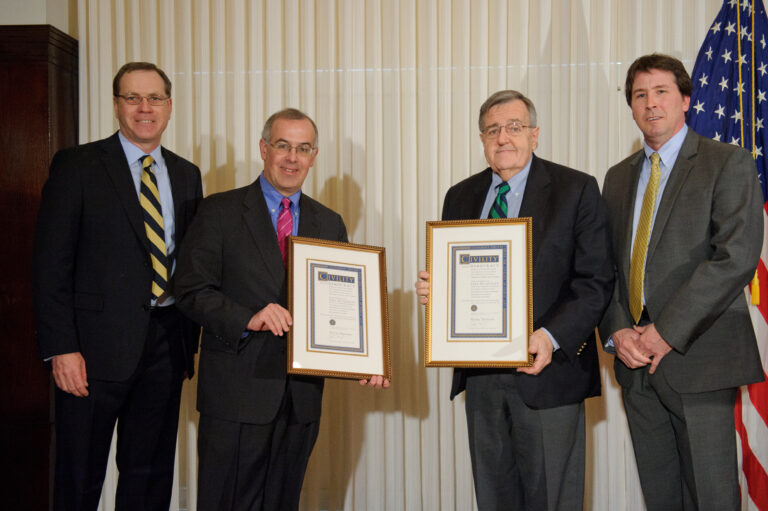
(686, 225)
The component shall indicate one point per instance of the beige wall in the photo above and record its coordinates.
(62, 14)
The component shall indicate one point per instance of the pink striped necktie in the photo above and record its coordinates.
(284, 228)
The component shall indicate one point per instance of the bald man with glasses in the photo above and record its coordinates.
(258, 425)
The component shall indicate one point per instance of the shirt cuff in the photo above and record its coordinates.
(555, 345)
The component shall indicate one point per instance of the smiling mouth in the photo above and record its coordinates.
(654, 118)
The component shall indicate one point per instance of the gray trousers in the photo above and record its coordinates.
(685, 445)
(523, 458)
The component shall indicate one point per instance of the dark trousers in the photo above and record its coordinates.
(146, 410)
(685, 445)
(253, 467)
(523, 458)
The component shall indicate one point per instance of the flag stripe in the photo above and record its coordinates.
(757, 479)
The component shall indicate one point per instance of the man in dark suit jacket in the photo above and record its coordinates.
(682, 334)
(257, 424)
(105, 320)
(526, 427)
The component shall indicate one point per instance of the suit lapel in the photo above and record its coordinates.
(308, 224)
(536, 202)
(257, 219)
(632, 175)
(677, 177)
(119, 173)
(178, 191)
(479, 193)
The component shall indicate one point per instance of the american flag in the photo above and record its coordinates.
(730, 104)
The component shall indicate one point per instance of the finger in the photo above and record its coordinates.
(363, 382)
(283, 317)
(423, 275)
(81, 388)
(534, 369)
(654, 364)
(386, 383)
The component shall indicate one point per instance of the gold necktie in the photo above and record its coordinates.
(149, 198)
(637, 267)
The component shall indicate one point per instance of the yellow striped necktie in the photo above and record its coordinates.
(640, 248)
(149, 197)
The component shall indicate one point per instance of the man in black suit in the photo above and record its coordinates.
(104, 304)
(526, 427)
(678, 321)
(257, 424)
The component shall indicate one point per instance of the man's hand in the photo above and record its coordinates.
(628, 350)
(376, 381)
(422, 287)
(69, 373)
(273, 317)
(540, 346)
(650, 342)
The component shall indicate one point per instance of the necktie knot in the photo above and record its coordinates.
(146, 162)
(655, 159)
(286, 203)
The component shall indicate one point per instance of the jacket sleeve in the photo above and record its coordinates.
(55, 250)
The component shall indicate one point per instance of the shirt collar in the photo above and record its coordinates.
(273, 197)
(133, 153)
(671, 148)
(517, 179)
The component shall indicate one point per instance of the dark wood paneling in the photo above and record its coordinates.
(38, 116)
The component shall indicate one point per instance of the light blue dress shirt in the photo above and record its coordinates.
(274, 199)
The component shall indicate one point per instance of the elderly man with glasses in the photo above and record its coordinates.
(526, 426)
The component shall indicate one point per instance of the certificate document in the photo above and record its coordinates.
(479, 291)
(338, 311)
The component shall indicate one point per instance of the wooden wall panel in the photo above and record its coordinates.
(38, 116)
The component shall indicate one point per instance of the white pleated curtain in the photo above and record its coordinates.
(395, 87)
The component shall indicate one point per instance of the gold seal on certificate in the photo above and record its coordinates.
(337, 294)
(479, 312)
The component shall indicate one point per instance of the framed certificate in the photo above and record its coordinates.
(480, 309)
(337, 295)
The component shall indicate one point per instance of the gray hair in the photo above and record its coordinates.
(507, 96)
(286, 113)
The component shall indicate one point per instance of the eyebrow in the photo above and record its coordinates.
(289, 142)
(507, 122)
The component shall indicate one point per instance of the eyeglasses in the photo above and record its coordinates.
(284, 149)
(513, 128)
(135, 99)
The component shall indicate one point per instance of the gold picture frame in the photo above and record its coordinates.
(337, 296)
(480, 307)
